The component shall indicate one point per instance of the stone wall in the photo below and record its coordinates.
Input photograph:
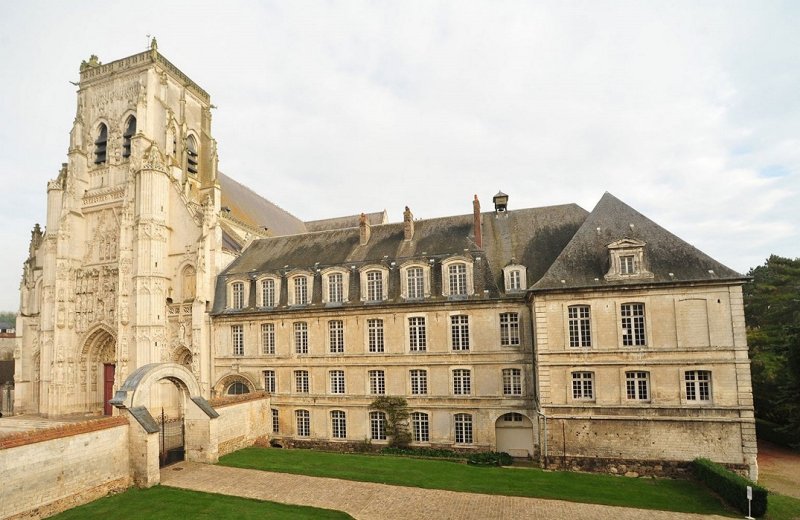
(242, 420)
(48, 471)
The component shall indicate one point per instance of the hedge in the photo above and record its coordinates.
(423, 452)
(490, 458)
(730, 486)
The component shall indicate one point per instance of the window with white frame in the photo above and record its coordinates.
(637, 385)
(377, 382)
(335, 288)
(374, 285)
(583, 386)
(462, 381)
(336, 336)
(627, 260)
(633, 329)
(459, 332)
(509, 329)
(377, 426)
(270, 383)
(303, 419)
(512, 381)
(415, 280)
(276, 424)
(420, 427)
(268, 292)
(463, 428)
(237, 295)
(698, 385)
(237, 337)
(338, 424)
(267, 338)
(627, 264)
(300, 337)
(301, 385)
(417, 339)
(580, 329)
(300, 290)
(375, 335)
(515, 278)
(337, 381)
(419, 381)
(457, 279)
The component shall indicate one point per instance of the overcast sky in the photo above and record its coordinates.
(687, 111)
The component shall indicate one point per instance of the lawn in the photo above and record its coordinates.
(169, 503)
(670, 495)
(781, 507)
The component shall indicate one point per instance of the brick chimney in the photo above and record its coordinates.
(363, 228)
(408, 224)
(476, 213)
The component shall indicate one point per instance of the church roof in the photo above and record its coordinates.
(585, 261)
(251, 208)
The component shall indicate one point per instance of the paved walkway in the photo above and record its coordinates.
(779, 468)
(364, 500)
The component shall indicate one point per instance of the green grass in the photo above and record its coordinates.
(781, 507)
(670, 495)
(160, 502)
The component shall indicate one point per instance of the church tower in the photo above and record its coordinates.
(122, 274)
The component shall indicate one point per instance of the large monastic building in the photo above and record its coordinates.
(565, 335)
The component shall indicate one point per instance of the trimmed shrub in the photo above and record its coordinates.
(490, 458)
(730, 486)
(423, 452)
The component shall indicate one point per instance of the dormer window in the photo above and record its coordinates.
(191, 155)
(130, 130)
(237, 295)
(301, 290)
(268, 291)
(374, 283)
(374, 286)
(416, 283)
(457, 281)
(334, 285)
(627, 260)
(100, 144)
(515, 278)
(415, 280)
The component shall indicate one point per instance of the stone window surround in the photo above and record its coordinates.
(646, 320)
(468, 428)
(470, 342)
(290, 293)
(426, 279)
(407, 330)
(302, 429)
(338, 420)
(245, 292)
(500, 326)
(423, 380)
(467, 377)
(627, 247)
(268, 338)
(572, 371)
(329, 338)
(380, 381)
(521, 380)
(523, 277)
(711, 385)
(337, 380)
(468, 262)
(380, 335)
(624, 386)
(384, 281)
(345, 283)
(567, 332)
(427, 417)
(260, 291)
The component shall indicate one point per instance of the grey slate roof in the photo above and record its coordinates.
(531, 237)
(379, 217)
(254, 210)
(585, 260)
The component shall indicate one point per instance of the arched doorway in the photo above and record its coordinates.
(514, 434)
(98, 369)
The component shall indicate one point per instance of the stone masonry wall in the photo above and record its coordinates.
(241, 421)
(48, 471)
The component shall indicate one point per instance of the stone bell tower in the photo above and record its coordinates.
(122, 273)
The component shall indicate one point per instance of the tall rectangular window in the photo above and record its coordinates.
(336, 336)
(303, 423)
(420, 427)
(462, 381)
(301, 385)
(268, 292)
(301, 337)
(337, 381)
(509, 329)
(301, 290)
(237, 336)
(415, 277)
(514, 280)
(417, 339)
(335, 288)
(270, 383)
(633, 332)
(374, 286)
(375, 335)
(637, 385)
(419, 381)
(512, 381)
(377, 426)
(463, 428)
(268, 338)
(457, 279)
(580, 332)
(377, 382)
(338, 424)
(583, 386)
(627, 264)
(276, 424)
(459, 332)
(237, 290)
(698, 385)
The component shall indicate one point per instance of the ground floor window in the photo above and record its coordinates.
(338, 424)
(377, 426)
(463, 428)
(420, 427)
(303, 423)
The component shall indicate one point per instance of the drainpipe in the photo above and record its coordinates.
(544, 442)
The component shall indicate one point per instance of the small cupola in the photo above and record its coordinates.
(500, 202)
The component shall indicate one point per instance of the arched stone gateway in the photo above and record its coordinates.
(514, 434)
(166, 386)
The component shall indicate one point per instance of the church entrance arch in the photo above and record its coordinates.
(514, 434)
(98, 369)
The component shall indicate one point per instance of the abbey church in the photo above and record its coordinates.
(556, 333)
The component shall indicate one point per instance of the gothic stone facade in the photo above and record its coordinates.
(550, 332)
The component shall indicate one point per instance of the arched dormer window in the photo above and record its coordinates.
(335, 285)
(100, 144)
(374, 283)
(415, 281)
(130, 130)
(191, 155)
(457, 280)
(515, 278)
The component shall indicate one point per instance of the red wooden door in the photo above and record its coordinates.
(108, 387)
